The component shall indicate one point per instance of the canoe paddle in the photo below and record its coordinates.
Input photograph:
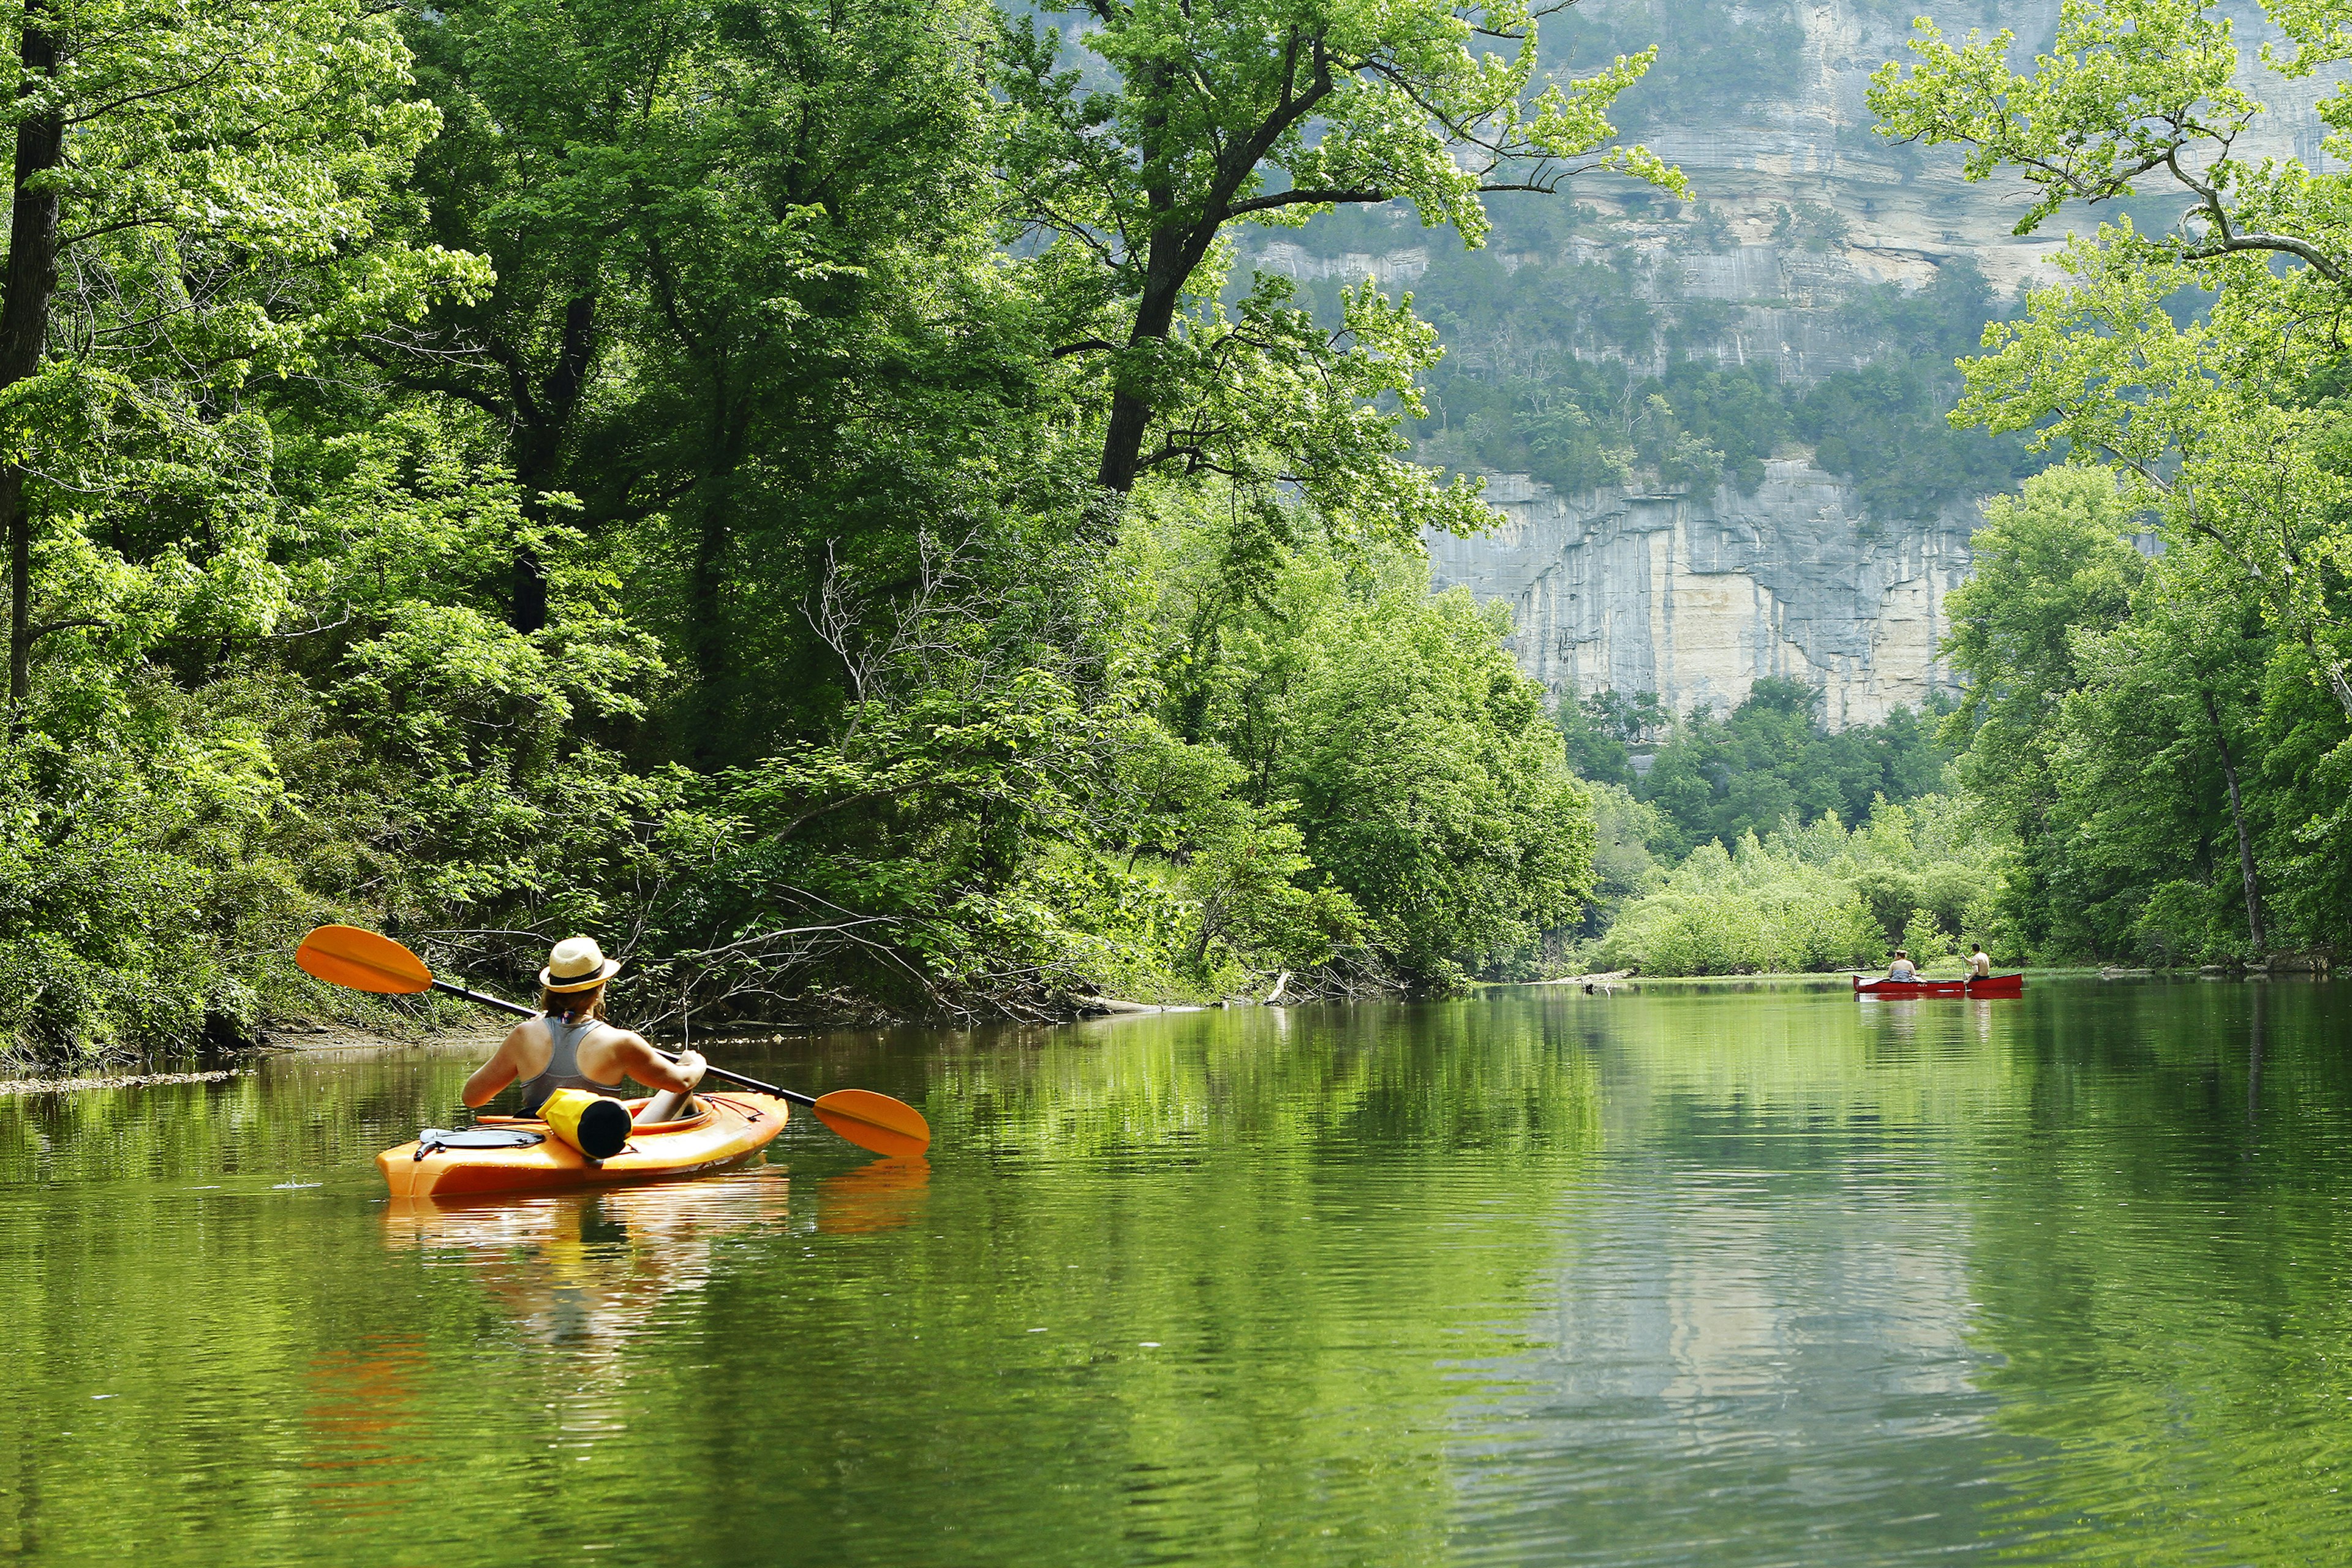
(363, 960)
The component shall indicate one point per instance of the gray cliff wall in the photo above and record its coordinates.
(1695, 600)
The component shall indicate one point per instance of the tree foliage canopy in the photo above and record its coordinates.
(524, 466)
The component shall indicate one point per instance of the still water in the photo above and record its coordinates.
(1683, 1275)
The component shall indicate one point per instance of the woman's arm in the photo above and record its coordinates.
(494, 1074)
(653, 1069)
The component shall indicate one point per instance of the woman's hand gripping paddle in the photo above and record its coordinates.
(346, 955)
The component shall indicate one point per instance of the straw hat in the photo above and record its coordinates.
(577, 964)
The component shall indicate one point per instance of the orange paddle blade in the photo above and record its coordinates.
(875, 1121)
(346, 955)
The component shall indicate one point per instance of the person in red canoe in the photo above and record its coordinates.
(1980, 965)
(1900, 969)
(570, 1046)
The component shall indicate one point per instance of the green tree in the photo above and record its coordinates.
(1774, 760)
(2160, 770)
(2049, 563)
(218, 202)
(1432, 785)
(2215, 419)
(1818, 897)
(1272, 112)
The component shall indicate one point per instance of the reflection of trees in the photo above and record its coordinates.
(2166, 1279)
(1754, 1330)
(588, 1271)
(2026, 1260)
(1440, 1080)
(1268, 1255)
(2152, 1285)
(1839, 1262)
(321, 1116)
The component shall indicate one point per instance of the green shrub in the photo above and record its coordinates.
(1810, 898)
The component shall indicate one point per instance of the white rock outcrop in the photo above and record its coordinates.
(1696, 599)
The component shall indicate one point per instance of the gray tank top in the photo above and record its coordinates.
(563, 1069)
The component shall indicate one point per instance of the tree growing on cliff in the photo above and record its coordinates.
(1271, 112)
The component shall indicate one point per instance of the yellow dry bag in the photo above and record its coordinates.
(594, 1124)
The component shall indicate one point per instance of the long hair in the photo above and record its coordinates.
(573, 1003)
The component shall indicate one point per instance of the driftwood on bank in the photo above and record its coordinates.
(1100, 1006)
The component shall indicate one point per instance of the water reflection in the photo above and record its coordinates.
(367, 1427)
(1718, 1275)
(884, 1194)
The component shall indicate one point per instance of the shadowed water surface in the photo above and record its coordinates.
(1740, 1275)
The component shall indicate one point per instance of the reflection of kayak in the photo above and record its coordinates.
(1990, 985)
(731, 1129)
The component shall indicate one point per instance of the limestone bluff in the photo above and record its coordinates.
(1695, 598)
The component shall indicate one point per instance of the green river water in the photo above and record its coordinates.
(1686, 1276)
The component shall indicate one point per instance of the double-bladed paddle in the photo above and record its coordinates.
(346, 955)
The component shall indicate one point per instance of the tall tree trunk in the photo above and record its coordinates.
(1131, 412)
(32, 284)
(1165, 268)
(2245, 839)
(546, 421)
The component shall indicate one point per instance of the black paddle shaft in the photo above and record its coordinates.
(737, 1079)
(501, 1003)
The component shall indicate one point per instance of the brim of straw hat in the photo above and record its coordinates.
(604, 971)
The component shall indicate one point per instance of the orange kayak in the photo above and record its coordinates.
(731, 1128)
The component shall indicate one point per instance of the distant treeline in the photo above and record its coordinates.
(1729, 849)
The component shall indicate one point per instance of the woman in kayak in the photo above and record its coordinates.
(1900, 969)
(570, 1044)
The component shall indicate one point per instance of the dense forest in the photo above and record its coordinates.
(783, 487)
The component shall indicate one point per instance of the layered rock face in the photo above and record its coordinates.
(1695, 600)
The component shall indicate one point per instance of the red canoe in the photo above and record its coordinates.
(1990, 985)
